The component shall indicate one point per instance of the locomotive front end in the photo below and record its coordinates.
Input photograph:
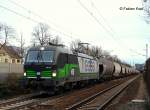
(39, 67)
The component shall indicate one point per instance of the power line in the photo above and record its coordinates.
(96, 19)
(31, 12)
(114, 38)
(111, 27)
(19, 14)
(33, 20)
(39, 16)
(99, 13)
(29, 18)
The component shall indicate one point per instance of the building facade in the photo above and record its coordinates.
(9, 55)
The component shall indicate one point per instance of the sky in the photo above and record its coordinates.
(99, 22)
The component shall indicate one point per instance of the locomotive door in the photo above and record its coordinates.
(101, 69)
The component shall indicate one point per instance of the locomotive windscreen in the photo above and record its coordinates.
(40, 56)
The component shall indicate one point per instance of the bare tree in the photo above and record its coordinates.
(7, 33)
(146, 4)
(96, 51)
(105, 54)
(56, 40)
(1, 26)
(78, 46)
(21, 46)
(1, 37)
(41, 34)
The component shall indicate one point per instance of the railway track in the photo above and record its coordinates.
(77, 99)
(100, 100)
(29, 102)
(9, 104)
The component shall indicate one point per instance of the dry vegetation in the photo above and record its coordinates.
(11, 86)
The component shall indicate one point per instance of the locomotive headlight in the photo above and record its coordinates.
(54, 73)
(24, 74)
(42, 48)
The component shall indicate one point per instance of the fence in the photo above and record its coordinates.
(7, 69)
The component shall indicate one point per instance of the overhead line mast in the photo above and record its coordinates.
(146, 51)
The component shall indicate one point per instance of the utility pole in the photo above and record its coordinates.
(146, 51)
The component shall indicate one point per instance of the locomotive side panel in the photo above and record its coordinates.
(88, 67)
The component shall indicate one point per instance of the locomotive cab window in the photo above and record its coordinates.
(40, 56)
(62, 60)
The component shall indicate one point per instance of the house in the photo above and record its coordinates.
(9, 55)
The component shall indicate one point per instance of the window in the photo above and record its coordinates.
(13, 60)
(40, 56)
(32, 56)
(6, 60)
(47, 56)
(0, 59)
(18, 61)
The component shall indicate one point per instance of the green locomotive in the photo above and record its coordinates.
(54, 66)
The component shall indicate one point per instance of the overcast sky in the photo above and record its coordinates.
(121, 32)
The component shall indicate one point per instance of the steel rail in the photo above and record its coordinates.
(85, 101)
(18, 99)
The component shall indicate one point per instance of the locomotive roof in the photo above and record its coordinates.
(85, 55)
(57, 48)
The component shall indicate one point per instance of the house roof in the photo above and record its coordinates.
(11, 52)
